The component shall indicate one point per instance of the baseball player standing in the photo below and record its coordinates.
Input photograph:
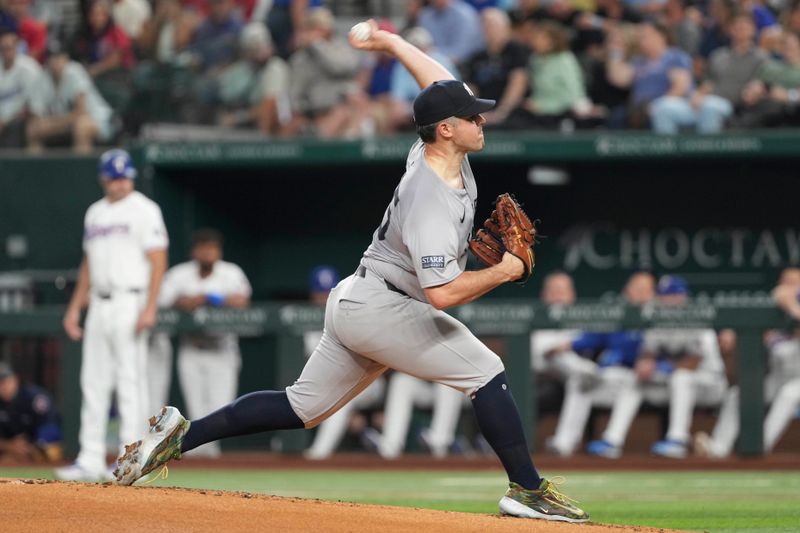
(125, 256)
(389, 314)
(208, 364)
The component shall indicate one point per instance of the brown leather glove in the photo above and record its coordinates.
(508, 230)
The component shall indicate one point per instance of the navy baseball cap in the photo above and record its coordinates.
(116, 164)
(447, 98)
(323, 279)
(668, 285)
(5, 370)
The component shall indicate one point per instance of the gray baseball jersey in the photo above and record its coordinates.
(370, 326)
(422, 239)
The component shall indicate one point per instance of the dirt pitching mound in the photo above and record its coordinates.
(37, 505)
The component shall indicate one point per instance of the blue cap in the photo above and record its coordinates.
(116, 164)
(323, 278)
(672, 285)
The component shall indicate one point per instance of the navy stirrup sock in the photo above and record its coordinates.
(500, 424)
(252, 413)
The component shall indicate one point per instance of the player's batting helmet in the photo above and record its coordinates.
(116, 164)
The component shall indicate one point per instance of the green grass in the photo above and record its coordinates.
(699, 501)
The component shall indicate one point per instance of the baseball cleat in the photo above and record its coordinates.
(161, 444)
(672, 449)
(603, 448)
(545, 503)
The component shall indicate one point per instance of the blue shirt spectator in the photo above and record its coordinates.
(455, 27)
(217, 39)
(651, 77)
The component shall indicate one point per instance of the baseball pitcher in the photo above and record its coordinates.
(389, 313)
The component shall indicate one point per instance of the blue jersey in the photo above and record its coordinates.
(616, 348)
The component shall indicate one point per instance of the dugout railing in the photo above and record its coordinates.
(513, 320)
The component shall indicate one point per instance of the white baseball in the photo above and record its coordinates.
(361, 31)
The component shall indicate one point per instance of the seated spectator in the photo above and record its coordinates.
(715, 32)
(324, 93)
(66, 106)
(18, 77)
(284, 21)
(772, 99)
(455, 27)
(106, 52)
(253, 89)
(29, 427)
(660, 77)
(163, 78)
(685, 24)
(131, 16)
(789, 22)
(600, 89)
(405, 87)
(557, 89)
(214, 47)
(499, 72)
(591, 27)
(730, 69)
(166, 33)
(33, 32)
(215, 42)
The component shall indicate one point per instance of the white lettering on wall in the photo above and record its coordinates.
(701, 253)
(634, 249)
(602, 247)
(792, 245)
(671, 247)
(766, 248)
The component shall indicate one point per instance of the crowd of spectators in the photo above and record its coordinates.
(283, 68)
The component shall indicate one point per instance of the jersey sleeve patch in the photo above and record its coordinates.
(432, 261)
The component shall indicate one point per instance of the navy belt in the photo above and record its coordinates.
(106, 295)
(361, 272)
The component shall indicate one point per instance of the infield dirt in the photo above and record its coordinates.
(37, 505)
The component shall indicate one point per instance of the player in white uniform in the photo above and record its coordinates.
(558, 289)
(681, 368)
(390, 312)
(208, 364)
(125, 256)
(781, 385)
(598, 383)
